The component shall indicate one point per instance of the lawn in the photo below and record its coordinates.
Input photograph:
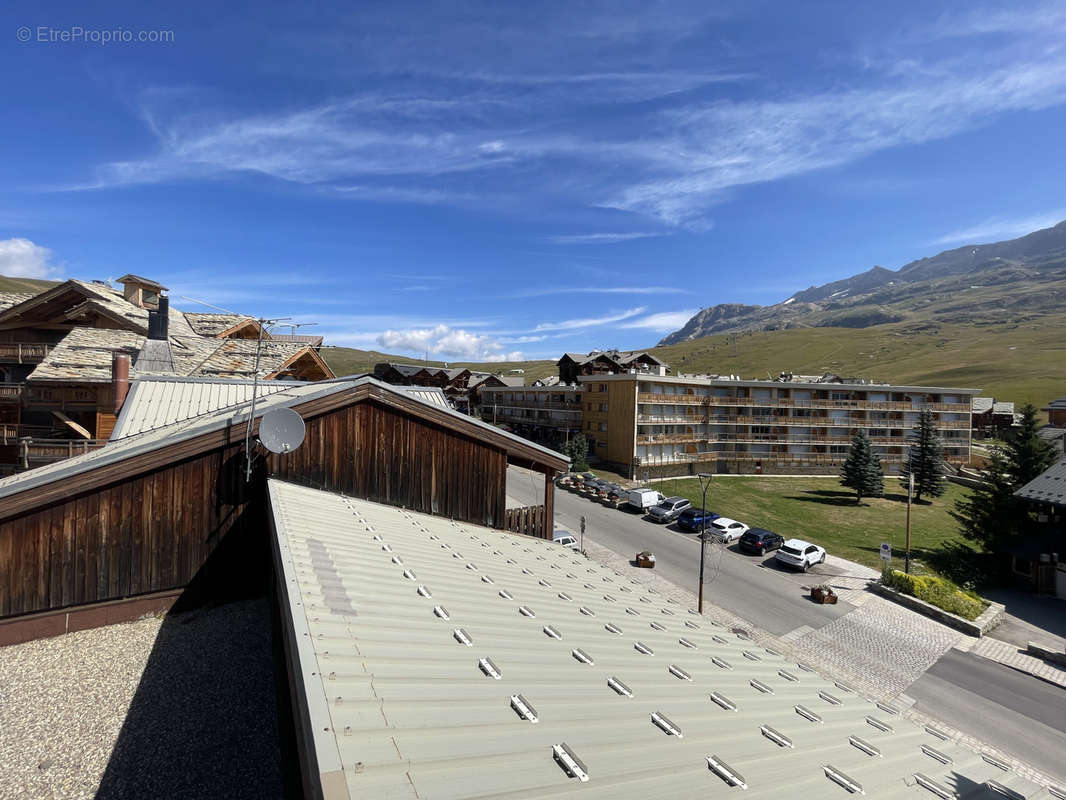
(821, 511)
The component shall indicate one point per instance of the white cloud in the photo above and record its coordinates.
(21, 258)
(443, 340)
(601, 238)
(589, 322)
(997, 229)
(662, 321)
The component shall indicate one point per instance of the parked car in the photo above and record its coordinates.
(598, 488)
(760, 541)
(694, 520)
(727, 530)
(565, 538)
(614, 496)
(669, 509)
(564, 479)
(643, 499)
(800, 554)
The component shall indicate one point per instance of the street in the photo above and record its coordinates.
(1013, 711)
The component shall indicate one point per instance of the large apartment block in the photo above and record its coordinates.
(678, 425)
(642, 422)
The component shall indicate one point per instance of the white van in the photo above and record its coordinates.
(643, 499)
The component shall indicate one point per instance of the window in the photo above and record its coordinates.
(603, 387)
(603, 426)
(603, 406)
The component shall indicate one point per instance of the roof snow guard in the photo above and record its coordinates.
(394, 700)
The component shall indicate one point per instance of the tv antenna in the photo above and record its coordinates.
(217, 308)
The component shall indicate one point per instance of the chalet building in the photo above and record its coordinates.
(138, 519)
(57, 349)
(1056, 412)
(1039, 560)
(461, 386)
(990, 417)
(608, 362)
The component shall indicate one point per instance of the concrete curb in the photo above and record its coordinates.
(977, 628)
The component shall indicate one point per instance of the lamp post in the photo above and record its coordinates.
(705, 481)
(910, 491)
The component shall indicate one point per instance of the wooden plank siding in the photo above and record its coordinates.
(153, 525)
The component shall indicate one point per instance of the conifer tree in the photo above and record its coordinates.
(578, 450)
(1027, 454)
(925, 459)
(862, 469)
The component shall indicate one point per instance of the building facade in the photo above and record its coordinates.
(679, 425)
(550, 415)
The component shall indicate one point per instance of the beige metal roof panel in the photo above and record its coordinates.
(154, 402)
(401, 608)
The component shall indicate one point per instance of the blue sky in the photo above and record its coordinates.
(493, 180)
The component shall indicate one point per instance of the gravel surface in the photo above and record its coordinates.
(183, 706)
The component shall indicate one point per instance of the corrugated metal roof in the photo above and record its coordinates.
(447, 660)
(155, 402)
(1003, 408)
(1048, 487)
(980, 405)
(156, 438)
(434, 397)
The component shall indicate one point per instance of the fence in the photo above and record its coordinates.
(527, 520)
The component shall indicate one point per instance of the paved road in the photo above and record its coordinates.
(750, 587)
(1008, 709)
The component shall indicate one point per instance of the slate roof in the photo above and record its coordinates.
(1047, 487)
(214, 324)
(446, 660)
(1055, 404)
(619, 356)
(9, 299)
(85, 354)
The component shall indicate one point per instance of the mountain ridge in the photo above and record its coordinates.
(1028, 273)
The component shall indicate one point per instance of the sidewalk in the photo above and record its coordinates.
(1010, 655)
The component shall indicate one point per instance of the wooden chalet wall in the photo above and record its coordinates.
(147, 534)
(153, 531)
(383, 455)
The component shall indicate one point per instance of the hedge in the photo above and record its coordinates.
(941, 592)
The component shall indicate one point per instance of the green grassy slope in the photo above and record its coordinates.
(1022, 362)
(24, 284)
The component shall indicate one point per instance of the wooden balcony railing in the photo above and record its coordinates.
(10, 392)
(808, 422)
(24, 352)
(35, 452)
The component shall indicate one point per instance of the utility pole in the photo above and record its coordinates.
(910, 491)
(705, 481)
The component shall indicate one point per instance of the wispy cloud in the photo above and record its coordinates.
(590, 322)
(995, 229)
(601, 238)
(664, 321)
(443, 340)
(599, 290)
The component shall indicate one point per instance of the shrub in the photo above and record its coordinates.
(938, 591)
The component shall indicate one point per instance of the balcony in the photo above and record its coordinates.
(10, 392)
(35, 452)
(783, 402)
(24, 352)
(806, 422)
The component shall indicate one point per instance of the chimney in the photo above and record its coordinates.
(158, 320)
(120, 378)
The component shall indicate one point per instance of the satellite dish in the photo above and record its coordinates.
(281, 430)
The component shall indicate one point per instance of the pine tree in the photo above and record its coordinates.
(578, 450)
(862, 469)
(1027, 454)
(924, 459)
(991, 515)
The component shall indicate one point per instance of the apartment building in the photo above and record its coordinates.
(656, 425)
(549, 415)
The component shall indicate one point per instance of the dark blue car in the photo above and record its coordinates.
(693, 520)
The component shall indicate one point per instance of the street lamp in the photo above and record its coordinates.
(705, 481)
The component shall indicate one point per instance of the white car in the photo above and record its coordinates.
(565, 538)
(727, 530)
(800, 554)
